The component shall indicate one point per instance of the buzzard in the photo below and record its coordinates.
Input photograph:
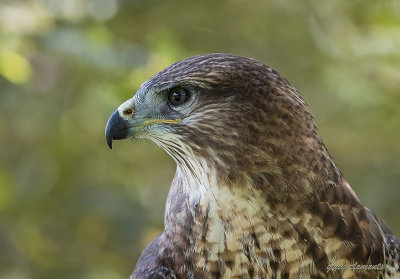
(256, 193)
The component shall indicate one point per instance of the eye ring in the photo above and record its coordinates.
(177, 96)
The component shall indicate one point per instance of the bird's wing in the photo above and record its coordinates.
(393, 257)
(393, 251)
(148, 266)
(392, 247)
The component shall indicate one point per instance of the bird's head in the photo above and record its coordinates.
(231, 112)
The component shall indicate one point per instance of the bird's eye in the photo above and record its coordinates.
(177, 96)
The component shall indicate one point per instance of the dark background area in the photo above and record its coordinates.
(71, 208)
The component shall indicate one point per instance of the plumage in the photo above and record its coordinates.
(256, 193)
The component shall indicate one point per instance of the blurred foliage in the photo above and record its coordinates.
(71, 208)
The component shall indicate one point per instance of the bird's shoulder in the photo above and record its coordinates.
(149, 265)
(392, 244)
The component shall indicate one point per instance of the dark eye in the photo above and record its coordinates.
(177, 96)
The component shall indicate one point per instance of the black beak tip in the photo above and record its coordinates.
(109, 143)
(109, 137)
(110, 128)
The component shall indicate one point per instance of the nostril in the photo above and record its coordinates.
(127, 112)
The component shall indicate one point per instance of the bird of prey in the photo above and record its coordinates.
(256, 193)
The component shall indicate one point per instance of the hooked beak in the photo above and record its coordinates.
(118, 128)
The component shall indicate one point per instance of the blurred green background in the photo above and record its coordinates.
(71, 208)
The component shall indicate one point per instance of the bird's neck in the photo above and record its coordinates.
(205, 188)
(208, 216)
(209, 219)
(208, 199)
(205, 195)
